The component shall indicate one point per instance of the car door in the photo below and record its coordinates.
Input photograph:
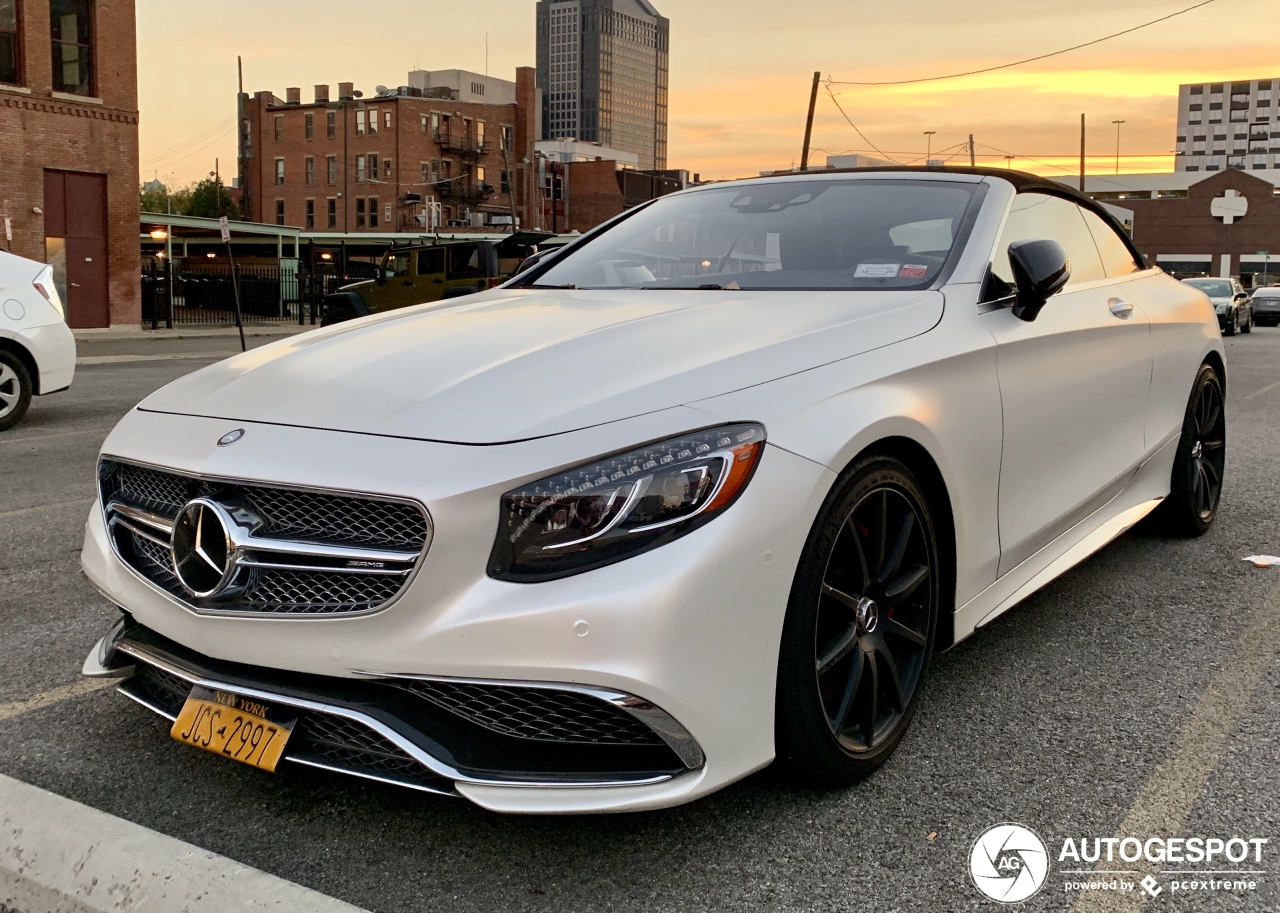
(467, 266)
(431, 277)
(1074, 384)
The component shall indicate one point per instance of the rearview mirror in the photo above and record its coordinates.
(1040, 270)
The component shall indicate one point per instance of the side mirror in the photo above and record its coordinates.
(534, 259)
(1040, 270)
(381, 277)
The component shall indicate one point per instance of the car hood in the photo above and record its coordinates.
(518, 364)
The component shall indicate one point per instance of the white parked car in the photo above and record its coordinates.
(37, 351)
(705, 489)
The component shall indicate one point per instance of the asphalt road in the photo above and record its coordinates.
(1072, 714)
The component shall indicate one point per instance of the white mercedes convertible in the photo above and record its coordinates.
(705, 490)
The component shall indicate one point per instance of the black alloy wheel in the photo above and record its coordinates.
(1199, 467)
(1248, 323)
(1233, 323)
(860, 627)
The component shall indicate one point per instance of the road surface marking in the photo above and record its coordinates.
(1267, 389)
(1165, 800)
(78, 688)
(56, 854)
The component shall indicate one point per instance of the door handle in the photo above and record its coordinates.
(1121, 308)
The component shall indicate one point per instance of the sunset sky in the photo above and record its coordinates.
(740, 72)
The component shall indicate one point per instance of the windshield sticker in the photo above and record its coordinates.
(876, 271)
(913, 271)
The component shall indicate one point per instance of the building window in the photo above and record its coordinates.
(359, 168)
(435, 127)
(506, 182)
(72, 31)
(360, 212)
(373, 212)
(359, 122)
(279, 172)
(386, 119)
(1197, 90)
(279, 212)
(10, 43)
(279, 127)
(373, 166)
(1196, 107)
(331, 124)
(386, 215)
(333, 212)
(480, 176)
(386, 168)
(373, 121)
(311, 214)
(508, 138)
(332, 162)
(309, 125)
(311, 170)
(424, 123)
(426, 172)
(479, 134)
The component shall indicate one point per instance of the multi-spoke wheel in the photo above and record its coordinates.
(15, 390)
(1195, 490)
(860, 626)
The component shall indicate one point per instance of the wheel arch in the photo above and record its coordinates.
(23, 354)
(352, 300)
(922, 463)
(1214, 358)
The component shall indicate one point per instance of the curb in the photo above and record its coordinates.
(58, 856)
(133, 333)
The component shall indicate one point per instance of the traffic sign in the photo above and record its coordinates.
(225, 229)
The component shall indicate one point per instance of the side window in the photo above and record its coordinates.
(430, 262)
(1039, 215)
(1117, 260)
(465, 262)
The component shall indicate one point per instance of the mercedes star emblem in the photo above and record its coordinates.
(230, 437)
(201, 549)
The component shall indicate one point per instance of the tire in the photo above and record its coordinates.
(1195, 489)
(1248, 324)
(15, 390)
(337, 313)
(860, 625)
(1233, 324)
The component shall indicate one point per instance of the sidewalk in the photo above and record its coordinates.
(130, 343)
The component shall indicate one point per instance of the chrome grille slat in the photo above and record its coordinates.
(313, 554)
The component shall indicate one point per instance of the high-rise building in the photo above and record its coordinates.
(602, 68)
(1229, 125)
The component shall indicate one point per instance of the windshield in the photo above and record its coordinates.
(1214, 288)
(850, 234)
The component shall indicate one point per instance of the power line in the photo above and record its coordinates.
(1018, 63)
(836, 102)
(169, 151)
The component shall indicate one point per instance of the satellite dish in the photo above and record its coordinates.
(382, 90)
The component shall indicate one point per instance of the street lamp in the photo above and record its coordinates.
(1117, 123)
(928, 148)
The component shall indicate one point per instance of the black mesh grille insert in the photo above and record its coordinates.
(538, 714)
(299, 516)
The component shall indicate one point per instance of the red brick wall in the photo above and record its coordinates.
(593, 194)
(39, 130)
(1187, 226)
(403, 142)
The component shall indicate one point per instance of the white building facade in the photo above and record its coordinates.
(1229, 125)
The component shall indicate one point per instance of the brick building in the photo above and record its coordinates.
(1227, 225)
(411, 159)
(69, 150)
(588, 193)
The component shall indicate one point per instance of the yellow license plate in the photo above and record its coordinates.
(234, 726)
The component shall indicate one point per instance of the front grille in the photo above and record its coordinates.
(335, 742)
(282, 517)
(536, 713)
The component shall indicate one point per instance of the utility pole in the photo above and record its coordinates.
(1008, 161)
(928, 146)
(808, 124)
(972, 157)
(1117, 123)
(1082, 153)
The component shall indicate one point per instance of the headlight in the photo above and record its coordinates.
(622, 505)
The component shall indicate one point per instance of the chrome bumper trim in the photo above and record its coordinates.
(432, 764)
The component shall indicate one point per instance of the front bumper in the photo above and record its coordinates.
(692, 628)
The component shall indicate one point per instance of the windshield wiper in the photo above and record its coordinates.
(566, 285)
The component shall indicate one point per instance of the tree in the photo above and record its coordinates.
(154, 197)
(210, 199)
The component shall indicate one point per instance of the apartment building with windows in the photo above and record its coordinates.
(1229, 125)
(603, 72)
(69, 150)
(411, 159)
